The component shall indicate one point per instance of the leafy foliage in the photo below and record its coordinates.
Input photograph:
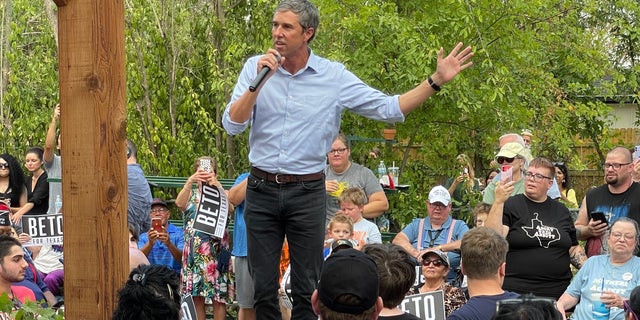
(30, 310)
(549, 65)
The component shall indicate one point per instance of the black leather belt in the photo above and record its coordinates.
(281, 178)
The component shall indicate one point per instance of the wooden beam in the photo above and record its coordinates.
(94, 175)
(60, 3)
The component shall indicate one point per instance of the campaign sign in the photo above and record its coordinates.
(187, 308)
(426, 306)
(211, 217)
(286, 297)
(419, 277)
(43, 229)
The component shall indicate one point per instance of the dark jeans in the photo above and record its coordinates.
(272, 211)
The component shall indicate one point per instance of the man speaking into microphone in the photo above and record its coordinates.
(295, 115)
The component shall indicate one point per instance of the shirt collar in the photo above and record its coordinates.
(445, 225)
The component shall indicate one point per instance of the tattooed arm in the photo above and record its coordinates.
(577, 256)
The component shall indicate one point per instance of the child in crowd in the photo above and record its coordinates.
(340, 228)
(480, 214)
(352, 201)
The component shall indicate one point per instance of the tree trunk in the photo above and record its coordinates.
(7, 15)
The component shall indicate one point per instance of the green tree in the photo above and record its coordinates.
(548, 65)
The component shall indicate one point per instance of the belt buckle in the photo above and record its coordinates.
(277, 180)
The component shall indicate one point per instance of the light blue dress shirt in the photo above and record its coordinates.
(297, 116)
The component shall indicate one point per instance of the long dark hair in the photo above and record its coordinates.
(16, 178)
(565, 172)
(151, 293)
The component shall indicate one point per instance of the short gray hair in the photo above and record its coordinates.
(635, 226)
(306, 11)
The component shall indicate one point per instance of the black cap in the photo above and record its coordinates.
(158, 201)
(341, 244)
(349, 271)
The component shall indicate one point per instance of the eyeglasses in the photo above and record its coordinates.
(337, 151)
(627, 308)
(436, 263)
(159, 210)
(4, 166)
(437, 205)
(536, 177)
(502, 160)
(615, 166)
(523, 299)
(617, 236)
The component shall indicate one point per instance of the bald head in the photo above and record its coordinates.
(510, 137)
(623, 152)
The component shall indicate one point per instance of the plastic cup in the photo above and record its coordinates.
(599, 310)
(393, 171)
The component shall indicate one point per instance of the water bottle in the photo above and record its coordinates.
(382, 170)
(58, 203)
(383, 224)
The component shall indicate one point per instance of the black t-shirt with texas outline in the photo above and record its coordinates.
(540, 235)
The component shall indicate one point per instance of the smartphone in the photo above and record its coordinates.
(506, 172)
(156, 224)
(466, 171)
(205, 164)
(599, 215)
(636, 153)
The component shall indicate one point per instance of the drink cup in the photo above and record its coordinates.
(393, 171)
(599, 310)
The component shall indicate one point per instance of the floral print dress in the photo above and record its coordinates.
(206, 262)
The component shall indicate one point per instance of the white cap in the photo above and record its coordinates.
(439, 194)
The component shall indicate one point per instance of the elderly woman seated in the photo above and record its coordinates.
(603, 284)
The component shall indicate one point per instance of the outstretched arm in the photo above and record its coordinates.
(447, 69)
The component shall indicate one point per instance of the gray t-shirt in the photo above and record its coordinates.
(54, 170)
(356, 176)
(365, 232)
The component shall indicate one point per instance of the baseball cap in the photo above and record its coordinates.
(341, 244)
(439, 194)
(438, 253)
(526, 132)
(158, 201)
(511, 150)
(352, 272)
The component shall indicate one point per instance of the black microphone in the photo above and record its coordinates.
(261, 75)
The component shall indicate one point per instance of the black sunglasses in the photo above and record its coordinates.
(4, 166)
(502, 160)
(436, 263)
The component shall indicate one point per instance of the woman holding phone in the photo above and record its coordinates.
(463, 187)
(512, 161)
(206, 260)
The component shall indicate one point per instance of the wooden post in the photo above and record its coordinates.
(94, 171)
